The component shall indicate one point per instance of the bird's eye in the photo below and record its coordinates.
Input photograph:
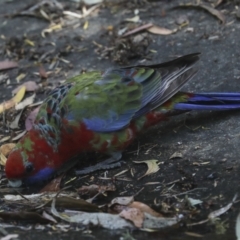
(29, 167)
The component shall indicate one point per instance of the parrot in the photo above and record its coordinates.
(103, 112)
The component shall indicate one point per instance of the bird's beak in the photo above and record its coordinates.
(15, 183)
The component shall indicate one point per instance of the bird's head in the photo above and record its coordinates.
(28, 163)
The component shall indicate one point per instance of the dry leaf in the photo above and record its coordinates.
(42, 72)
(53, 186)
(134, 19)
(237, 227)
(105, 220)
(208, 8)
(134, 215)
(218, 2)
(192, 234)
(85, 26)
(152, 167)
(91, 2)
(10, 236)
(19, 136)
(30, 118)
(4, 65)
(15, 122)
(49, 217)
(20, 77)
(4, 139)
(114, 221)
(222, 210)
(3, 159)
(16, 99)
(29, 42)
(193, 201)
(122, 201)
(144, 208)
(53, 27)
(30, 87)
(85, 12)
(44, 15)
(138, 29)
(5, 149)
(160, 30)
(122, 172)
(25, 102)
(176, 155)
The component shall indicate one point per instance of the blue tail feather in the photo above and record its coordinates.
(211, 101)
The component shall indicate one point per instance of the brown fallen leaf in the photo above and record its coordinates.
(12, 102)
(42, 72)
(144, 208)
(4, 65)
(30, 87)
(152, 167)
(117, 208)
(208, 8)
(138, 29)
(160, 30)
(30, 118)
(134, 215)
(53, 186)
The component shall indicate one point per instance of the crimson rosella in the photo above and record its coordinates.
(103, 112)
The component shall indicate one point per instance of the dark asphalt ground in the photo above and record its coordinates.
(199, 137)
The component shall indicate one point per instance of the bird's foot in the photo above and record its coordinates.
(109, 163)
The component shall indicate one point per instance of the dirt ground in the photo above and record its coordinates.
(207, 142)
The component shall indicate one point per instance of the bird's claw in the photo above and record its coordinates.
(110, 163)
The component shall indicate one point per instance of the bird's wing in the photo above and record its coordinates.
(110, 101)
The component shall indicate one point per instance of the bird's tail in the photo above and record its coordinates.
(206, 101)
